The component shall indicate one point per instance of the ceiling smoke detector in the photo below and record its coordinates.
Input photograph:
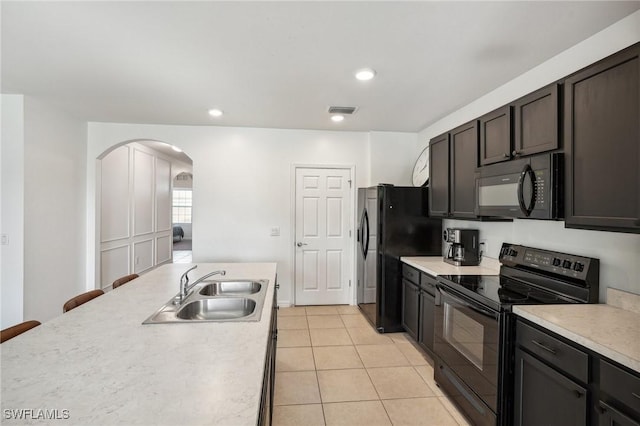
(342, 110)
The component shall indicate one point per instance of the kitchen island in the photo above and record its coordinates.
(98, 364)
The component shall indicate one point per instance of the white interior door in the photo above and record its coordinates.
(323, 241)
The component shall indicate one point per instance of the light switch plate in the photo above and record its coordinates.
(275, 231)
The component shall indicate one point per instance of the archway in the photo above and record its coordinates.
(134, 205)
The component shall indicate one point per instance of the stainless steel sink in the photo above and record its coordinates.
(217, 309)
(221, 288)
(215, 301)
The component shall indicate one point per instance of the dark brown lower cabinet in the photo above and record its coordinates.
(558, 382)
(609, 416)
(269, 378)
(427, 312)
(543, 396)
(410, 307)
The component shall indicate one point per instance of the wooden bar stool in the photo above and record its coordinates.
(11, 332)
(80, 299)
(117, 283)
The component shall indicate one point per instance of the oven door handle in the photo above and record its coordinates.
(473, 307)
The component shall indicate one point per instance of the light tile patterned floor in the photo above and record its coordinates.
(333, 368)
(182, 256)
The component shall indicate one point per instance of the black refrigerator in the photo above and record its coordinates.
(393, 221)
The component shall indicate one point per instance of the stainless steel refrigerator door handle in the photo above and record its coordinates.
(301, 244)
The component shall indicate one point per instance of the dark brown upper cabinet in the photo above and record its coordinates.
(439, 176)
(495, 136)
(602, 144)
(464, 161)
(536, 122)
(453, 159)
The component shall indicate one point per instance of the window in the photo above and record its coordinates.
(182, 205)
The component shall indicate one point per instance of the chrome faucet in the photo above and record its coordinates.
(184, 282)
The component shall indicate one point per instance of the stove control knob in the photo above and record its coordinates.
(579, 267)
(566, 264)
(512, 252)
(556, 261)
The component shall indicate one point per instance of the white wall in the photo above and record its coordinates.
(242, 184)
(619, 253)
(391, 157)
(135, 211)
(54, 204)
(12, 209)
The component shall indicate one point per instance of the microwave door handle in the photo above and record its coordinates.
(526, 171)
(478, 309)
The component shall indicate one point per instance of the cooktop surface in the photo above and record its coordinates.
(499, 292)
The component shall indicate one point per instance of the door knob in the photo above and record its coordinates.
(301, 244)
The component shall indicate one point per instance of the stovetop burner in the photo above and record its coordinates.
(507, 296)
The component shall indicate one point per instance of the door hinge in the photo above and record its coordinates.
(349, 283)
(349, 180)
(349, 232)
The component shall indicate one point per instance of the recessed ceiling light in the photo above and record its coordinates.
(175, 148)
(337, 118)
(365, 74)
(215, 112)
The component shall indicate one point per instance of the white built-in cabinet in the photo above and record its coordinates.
(134, 212)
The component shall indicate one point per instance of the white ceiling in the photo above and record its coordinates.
(281, 64)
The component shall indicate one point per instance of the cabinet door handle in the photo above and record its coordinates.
(505, 155)
(543, 346)
(578, 393)
(515, 153)
(602, 408)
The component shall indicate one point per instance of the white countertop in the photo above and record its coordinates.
(102, 365)
(435, 265)
(606, 329)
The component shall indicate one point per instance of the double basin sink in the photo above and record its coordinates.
(215, 301)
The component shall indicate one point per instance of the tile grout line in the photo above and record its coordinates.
(396, 344)
(315, 366)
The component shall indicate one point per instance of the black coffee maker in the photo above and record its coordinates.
(463, 246)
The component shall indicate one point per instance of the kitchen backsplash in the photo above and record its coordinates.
(619, 253)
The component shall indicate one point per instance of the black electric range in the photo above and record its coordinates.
(474, 324)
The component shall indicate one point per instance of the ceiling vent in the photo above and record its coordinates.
(341, 110)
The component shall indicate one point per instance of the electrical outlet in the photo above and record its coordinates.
(275, 231)
(5, 239)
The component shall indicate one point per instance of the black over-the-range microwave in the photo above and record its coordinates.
(529, 187)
